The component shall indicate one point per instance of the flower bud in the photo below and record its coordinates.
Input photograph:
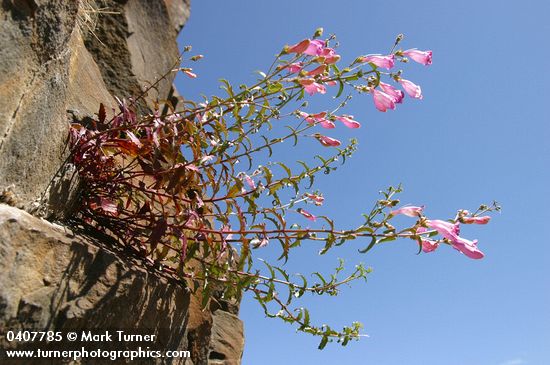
(318, 32)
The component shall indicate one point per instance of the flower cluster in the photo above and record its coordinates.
(388, 96)
(448, 230)
(317, 53)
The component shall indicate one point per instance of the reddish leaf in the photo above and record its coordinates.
(127, 147)
(157, 233)
(102, 114)
(145, 166)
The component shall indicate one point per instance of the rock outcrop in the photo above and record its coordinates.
(59, 60)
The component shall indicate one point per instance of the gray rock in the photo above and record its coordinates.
(54, 279)
(44, 71)
(226, 346)
(54, 59)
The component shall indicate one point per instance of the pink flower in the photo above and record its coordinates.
(300, 47)
(467, 247)
(411, 88)
(382, 101)
(423, 57)
(446, 229)
(409, 211)
(327, 81)
(294, 67)
(308, 215)
(249, 181)
(475, 220)
(318, 118)
(190, 167)
(190, 74)
(315, 47)
(379, 60)
(397, 95)
(312, 87)
(329, 56)
(327, 141)
(257, 243)
(348, 121)
(206, 159)
(427, 244)
(317, 199)
(319, 70)
(227, 229)
(451, 232)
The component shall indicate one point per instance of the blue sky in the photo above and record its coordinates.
(481, 133)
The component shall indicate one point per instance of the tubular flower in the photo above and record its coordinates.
(317, 199)
(190, 74)
(423, 57)
(294, 67)
(312, 87)
(308, 215)
(451, 232)
(315, 48)
(327, 141)
(446, 229)
(409, 211)
(329, 56)
(382, 101)
(319, 70)
(475, 220)
(300, 47)
(348, 121)
(249, 181)
(427, 244)
(318, 118)
(259, 243)
(411, 88)
(397, 95)
(328, 81)
(379, 60)
(467, 247)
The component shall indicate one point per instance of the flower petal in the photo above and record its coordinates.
(379, 60)
(348, 121)
(382, 101)
(423, 57)
(411, 88)
(308, 215)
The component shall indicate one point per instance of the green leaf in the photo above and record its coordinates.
(323, 343)
(274, 87)
(387, 239)
(371, 245)
(340, 89)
